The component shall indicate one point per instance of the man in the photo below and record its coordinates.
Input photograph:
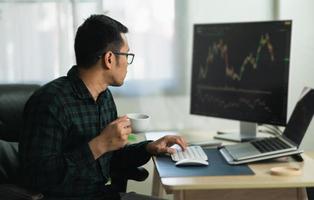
(72, 136)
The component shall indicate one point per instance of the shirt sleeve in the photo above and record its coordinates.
(133, 155)
(44, 161)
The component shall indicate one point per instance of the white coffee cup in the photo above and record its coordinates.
(139, 122)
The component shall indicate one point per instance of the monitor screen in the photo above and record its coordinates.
(240, 71)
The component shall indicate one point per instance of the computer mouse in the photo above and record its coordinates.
(195, 162)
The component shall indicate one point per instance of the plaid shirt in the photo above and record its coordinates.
(59, 121)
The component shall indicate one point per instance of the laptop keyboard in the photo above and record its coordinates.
(192, 152)
(269, 144)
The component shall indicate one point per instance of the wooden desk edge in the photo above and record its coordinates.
(168, 185)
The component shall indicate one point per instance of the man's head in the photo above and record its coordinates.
(98, 34)
(101, 38)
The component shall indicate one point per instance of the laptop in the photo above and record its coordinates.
(281, 145)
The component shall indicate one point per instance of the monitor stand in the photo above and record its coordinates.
(247, 132)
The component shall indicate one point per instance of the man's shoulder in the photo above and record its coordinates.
(57, 89)
(58, 85)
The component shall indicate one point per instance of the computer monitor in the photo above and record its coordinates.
(240, 71)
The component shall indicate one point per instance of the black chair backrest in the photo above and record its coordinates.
(12, 101)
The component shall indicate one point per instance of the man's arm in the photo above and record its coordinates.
(131, 156)
(136, 155)
(45, 163)
(163, 145)
(113, 137)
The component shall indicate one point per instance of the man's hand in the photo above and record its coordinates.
(163, 145)
(113, 137)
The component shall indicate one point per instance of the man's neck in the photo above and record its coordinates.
(93, 80)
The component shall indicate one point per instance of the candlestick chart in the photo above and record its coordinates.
(241, 67)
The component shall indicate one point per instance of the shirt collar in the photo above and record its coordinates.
(80, 88)
(77, 83)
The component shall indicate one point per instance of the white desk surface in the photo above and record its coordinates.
(262, 178)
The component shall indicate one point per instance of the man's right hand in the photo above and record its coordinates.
(113, 137)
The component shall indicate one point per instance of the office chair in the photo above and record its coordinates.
(12, 101)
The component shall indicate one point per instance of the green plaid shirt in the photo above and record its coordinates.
(59, 121)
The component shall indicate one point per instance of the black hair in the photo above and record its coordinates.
(98, 34)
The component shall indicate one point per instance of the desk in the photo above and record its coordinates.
(262, 185)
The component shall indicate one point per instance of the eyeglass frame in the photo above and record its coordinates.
(125, 54)
(122, 54)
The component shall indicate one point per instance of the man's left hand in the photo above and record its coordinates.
(163, 145)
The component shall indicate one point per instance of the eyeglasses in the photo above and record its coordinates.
(129, 56)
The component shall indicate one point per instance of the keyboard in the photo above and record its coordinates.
(207, 143)
(192, 152)
(269, 145)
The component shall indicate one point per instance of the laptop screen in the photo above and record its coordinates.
(300, 118)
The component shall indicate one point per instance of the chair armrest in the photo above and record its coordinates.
(14, 192)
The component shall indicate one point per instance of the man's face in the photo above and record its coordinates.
(121, 64)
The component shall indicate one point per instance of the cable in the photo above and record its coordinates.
(270, 129)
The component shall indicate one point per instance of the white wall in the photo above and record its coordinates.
(302, 53)
(172, 112)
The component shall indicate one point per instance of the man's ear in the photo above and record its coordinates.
(108, 59)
